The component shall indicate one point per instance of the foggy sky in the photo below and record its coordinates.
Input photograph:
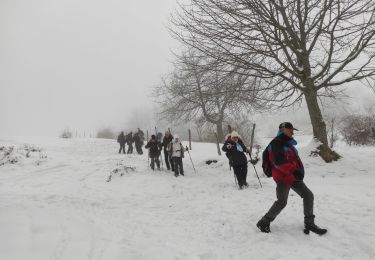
(87, 64)
(81, 64)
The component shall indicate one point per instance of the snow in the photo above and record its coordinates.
(62, 207)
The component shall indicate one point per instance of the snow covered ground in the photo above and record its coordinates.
(57, 204)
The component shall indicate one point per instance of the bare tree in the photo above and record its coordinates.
(301, 48)
(200, 87)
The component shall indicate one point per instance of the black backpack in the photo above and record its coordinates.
(266, 163)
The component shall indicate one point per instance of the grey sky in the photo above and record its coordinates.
(85, 64)
(81, 64)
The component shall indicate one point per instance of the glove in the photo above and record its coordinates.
(254, 161)
(298, 174)
(229, 146)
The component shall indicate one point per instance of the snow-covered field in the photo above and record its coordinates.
(57, 204)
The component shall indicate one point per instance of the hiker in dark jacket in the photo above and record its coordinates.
(288, 173)
(138, 141)
(129, 142)
(154, 147)
(121, 141)
(141, 135)
(235, 151)
(167, 139)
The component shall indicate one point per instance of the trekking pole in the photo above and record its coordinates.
(250, 151)
(187, 149)
(251, 161)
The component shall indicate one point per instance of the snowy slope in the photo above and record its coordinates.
(61, 207)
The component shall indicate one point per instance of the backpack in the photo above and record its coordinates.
(266, 163)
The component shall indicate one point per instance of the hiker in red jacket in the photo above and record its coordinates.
(288, 173)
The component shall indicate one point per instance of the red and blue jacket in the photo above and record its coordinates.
(287, 167)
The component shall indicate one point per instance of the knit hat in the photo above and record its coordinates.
(234, 134)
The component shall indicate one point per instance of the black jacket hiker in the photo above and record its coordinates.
(235, 151)
(121, 141)
(154, 147)
(167, 139)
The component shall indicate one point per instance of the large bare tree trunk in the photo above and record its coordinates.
(219, 130)
(319, 127)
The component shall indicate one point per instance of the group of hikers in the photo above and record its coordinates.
(286, 169)
(137, 138)
(172, 148)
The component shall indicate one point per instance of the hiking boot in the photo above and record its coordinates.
(264, 226)
(314, 228)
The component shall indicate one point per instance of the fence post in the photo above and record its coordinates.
(252, 140)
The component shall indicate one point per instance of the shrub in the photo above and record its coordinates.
(358, 129)
(66, 134)
(106, 133)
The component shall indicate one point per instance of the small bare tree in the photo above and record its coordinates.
(301, 48)
(202, 88)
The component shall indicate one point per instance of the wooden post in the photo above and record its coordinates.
(252, 139)
(147, 135)
(217, 144)
(189, 132)
(332, 136)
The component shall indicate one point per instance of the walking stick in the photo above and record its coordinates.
(234, 175)
(256, 173)
(187, 149)
(250, 151)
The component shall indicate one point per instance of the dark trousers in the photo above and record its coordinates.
(168, 160)
(130, 148)
(122, 148)
(241, 173)
(178, 166)
(153, 161)
(138, 147)
(282, 193)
